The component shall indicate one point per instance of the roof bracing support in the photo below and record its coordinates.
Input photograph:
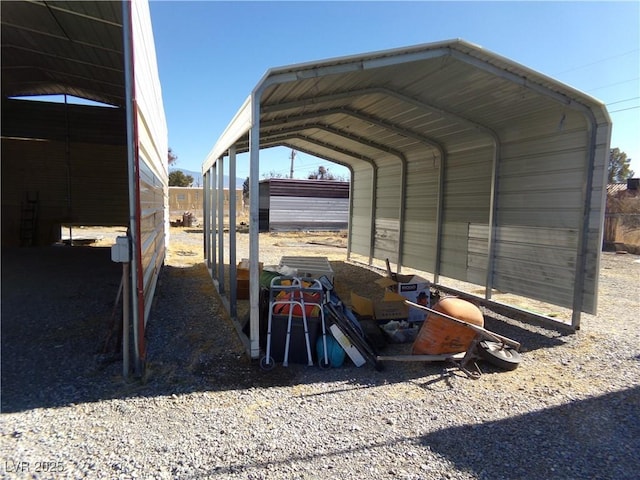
(281, 140)
(378, 146)
(427, 106)
(400, 131)
(330, 159)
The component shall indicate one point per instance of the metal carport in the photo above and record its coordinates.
(89, 165)
(464, 164)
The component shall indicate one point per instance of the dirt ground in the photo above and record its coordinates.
(618, 280)
(185, 249)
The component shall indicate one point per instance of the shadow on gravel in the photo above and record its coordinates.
(594, 438)
(57, 304)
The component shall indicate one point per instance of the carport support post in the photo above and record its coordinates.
(232, 233)
(374, 197)
(583, 239)
(207, 220)
(214, 224)
(133, 168)
(254, 245)
(493, 221)
(220, 169)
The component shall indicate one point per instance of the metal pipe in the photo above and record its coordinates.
(68, 155)
(125, 318)
(476, 328)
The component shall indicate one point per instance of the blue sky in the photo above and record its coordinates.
(211, 54)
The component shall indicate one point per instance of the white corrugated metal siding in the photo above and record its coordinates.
(151, 206)
(306, 213)
(467, 161)
(287, 204)
(361, 214)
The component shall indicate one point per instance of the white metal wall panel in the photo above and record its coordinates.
(540, 206)
(308, 213)
(387, 217)
(420, 225)
(361, 210)
(477, 253)
(529, 259)
(467, 200)
(152, 138)
(453, 261)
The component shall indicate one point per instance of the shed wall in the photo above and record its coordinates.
(71, 157)
(152, 147)
(86, 186)
(287, 205)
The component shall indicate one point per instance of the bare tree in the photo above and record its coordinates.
(321, 174)
(171, 157)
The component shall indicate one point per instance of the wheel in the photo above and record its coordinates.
(324, 364)
(502, 357)
(267, 363)
(378, 365)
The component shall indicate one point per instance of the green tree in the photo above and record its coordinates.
(177, 178)
(619, 166)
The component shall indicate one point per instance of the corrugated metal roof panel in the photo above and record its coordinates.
(73, 48)
(284, 187)
(494, 128)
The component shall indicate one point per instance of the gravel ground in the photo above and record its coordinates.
(570, 411)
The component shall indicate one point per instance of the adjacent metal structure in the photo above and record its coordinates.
(291, 205)
(90, 165)
(464, 164)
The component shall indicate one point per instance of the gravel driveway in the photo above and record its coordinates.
(570, 411)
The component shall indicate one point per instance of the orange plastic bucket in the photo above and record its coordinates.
(439, 335)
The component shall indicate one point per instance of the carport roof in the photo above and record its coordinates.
(445, 95)
(73, 48)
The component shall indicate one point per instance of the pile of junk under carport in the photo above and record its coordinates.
(303, 320)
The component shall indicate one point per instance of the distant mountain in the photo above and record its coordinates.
(197, 178)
